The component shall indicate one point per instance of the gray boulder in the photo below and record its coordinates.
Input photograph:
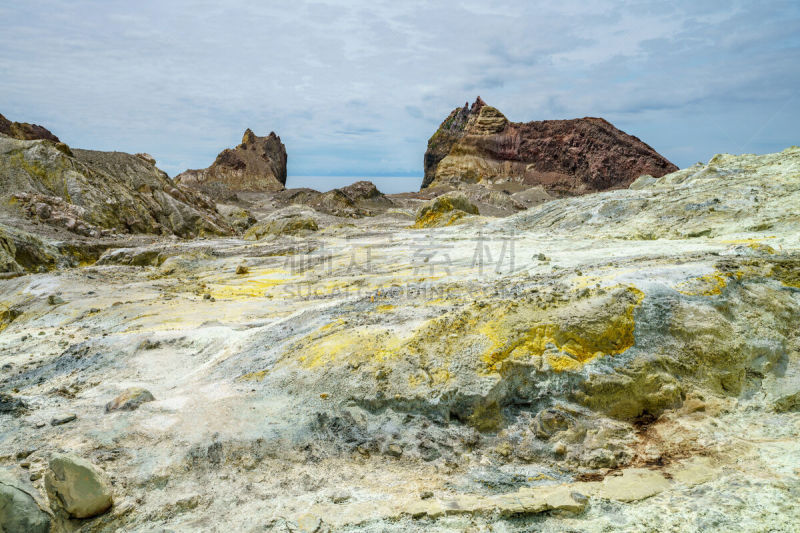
(20, 510)
(77, 487)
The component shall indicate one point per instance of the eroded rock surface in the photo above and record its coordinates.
(626, 360)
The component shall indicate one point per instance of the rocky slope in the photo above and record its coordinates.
(257, 164)
(627, 360)
(567, 157)
(58, 204)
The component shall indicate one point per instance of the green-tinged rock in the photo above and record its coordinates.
(444, 210)
(238, 218)
(88, 192)
(19, 510)
(291, 223)
(77, 486)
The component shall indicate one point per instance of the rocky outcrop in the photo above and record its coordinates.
(25, 131)
(256, 165)
(444, 210)
(359, 199)
(478, 144)
(290, 221)
(93, 193)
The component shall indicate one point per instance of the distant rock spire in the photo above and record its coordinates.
(249, 137)
(479, 103)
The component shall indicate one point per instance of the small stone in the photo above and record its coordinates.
(242, 269)
(504, 449)
(309, 523)
(63, 420)
(206, 296)
(149, 344)
(12, 405)
(340, 496)
(55, 299)
(35, 476)
(39, 425)
(394, 450)
(425, 495)
(77, 486)
(130, 400)
(559, 448)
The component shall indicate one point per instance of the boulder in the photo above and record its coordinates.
(20, 510)
(477, 144)
(236, 217)
(130, 400)
(77, 487)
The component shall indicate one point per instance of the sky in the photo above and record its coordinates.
(356, 88)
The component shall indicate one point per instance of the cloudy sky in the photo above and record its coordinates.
(356, 88)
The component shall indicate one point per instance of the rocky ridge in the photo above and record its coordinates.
(60, 202)
(478, 144)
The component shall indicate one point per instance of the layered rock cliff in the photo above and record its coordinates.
(258, 164)
(478, 144)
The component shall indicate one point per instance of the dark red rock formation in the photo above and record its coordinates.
(25, 131)
(477, 144)
(258, 164)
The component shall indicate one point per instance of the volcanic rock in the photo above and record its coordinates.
(478, 144)
(129, 400)
(89, 192)
(578, 365)
(20, 512)
(25, 131)
(77, 486)
(258, 164)
(289, 221)
(359, 199)
(444, 210)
